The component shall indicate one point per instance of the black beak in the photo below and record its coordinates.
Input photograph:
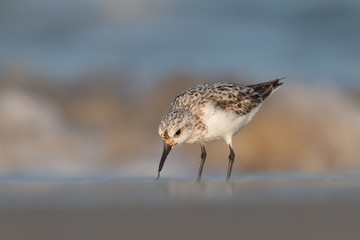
(167, 149)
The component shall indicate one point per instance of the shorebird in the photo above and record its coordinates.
(211, 112)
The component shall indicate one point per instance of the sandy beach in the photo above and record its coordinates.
(252, 207)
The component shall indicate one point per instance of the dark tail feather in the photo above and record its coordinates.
(266, 88)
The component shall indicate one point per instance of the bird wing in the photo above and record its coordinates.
(234, 97)
(227, 96)
(242, 99)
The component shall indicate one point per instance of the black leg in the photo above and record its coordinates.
(231, 162)
(203, 157)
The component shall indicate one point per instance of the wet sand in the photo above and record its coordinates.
(325, 207)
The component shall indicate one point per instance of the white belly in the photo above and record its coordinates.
(224, 124)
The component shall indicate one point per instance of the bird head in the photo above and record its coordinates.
(174, 129)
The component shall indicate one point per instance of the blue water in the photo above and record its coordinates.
(247, 189)
(209, 178)
(308, 40)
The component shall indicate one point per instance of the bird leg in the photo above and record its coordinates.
(203, 157)
(231, 162)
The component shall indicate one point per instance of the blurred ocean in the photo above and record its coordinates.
(312, 41)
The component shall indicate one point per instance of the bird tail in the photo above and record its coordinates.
(266, 88)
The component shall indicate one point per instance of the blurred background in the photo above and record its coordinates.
(84, 84)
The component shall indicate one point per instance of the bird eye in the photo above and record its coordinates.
(178, 132)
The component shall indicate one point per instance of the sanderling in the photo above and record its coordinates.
(211, 112)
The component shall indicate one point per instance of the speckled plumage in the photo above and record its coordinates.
(212, 111)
